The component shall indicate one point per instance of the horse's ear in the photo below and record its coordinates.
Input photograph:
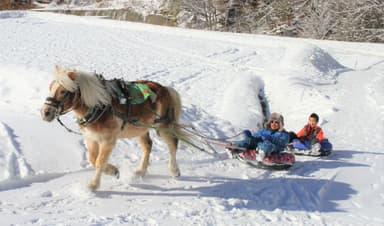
(71, 75)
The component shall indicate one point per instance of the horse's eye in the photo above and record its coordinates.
(62, 92)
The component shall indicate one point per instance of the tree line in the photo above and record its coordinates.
(15, 4)
(343, 20)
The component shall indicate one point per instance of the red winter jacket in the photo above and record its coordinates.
(311, 133)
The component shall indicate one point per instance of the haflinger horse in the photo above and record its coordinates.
(83, 92)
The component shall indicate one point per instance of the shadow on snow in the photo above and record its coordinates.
(294, 194)
(303, 194)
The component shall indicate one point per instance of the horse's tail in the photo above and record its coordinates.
(176, 105)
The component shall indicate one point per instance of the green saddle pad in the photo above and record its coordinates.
(139, 92)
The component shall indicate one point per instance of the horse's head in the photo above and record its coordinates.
(63, 91)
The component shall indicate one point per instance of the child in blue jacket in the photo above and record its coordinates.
(272, 138)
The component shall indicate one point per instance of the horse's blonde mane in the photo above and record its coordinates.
(92, 90)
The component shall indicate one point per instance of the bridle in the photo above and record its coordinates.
(59, 104)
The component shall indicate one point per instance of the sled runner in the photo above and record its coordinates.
(318, 149)
(311, 153)
(276, 161)
(306, 147)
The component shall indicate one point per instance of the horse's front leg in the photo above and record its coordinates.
(146, 146)
(101, 163)
(93, 152)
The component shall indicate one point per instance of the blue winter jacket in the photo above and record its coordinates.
(272, 141)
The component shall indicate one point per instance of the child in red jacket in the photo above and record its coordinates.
(310, 139)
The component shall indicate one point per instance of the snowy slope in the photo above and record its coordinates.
(220, 76)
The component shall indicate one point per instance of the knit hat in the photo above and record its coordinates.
(275, 117)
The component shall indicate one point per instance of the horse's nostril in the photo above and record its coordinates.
(47, 113)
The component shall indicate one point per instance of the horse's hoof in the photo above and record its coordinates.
(140, 173)
(93, 186)
(111, 170)
(175, 173)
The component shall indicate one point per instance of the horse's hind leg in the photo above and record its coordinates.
(172, 143)
(146, 146)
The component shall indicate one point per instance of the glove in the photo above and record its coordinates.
(246, 133)
(254, 141)
(257, 139)
(292, 135)
(241, 143)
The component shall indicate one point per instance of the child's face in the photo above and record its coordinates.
(312, 122)
(275, 125)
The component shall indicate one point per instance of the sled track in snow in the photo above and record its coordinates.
(11, 156)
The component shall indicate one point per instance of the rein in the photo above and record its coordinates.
(190, 131)
(66, 127)
(92, 115)
(209, 141)
(137, 123)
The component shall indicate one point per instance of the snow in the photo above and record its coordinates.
(221, 77)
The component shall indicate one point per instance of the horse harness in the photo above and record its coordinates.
(120, 89)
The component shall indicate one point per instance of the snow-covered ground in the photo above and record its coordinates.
(44, 169)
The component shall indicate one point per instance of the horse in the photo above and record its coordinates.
(104, 118)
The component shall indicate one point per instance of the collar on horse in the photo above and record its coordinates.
(93, 114)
